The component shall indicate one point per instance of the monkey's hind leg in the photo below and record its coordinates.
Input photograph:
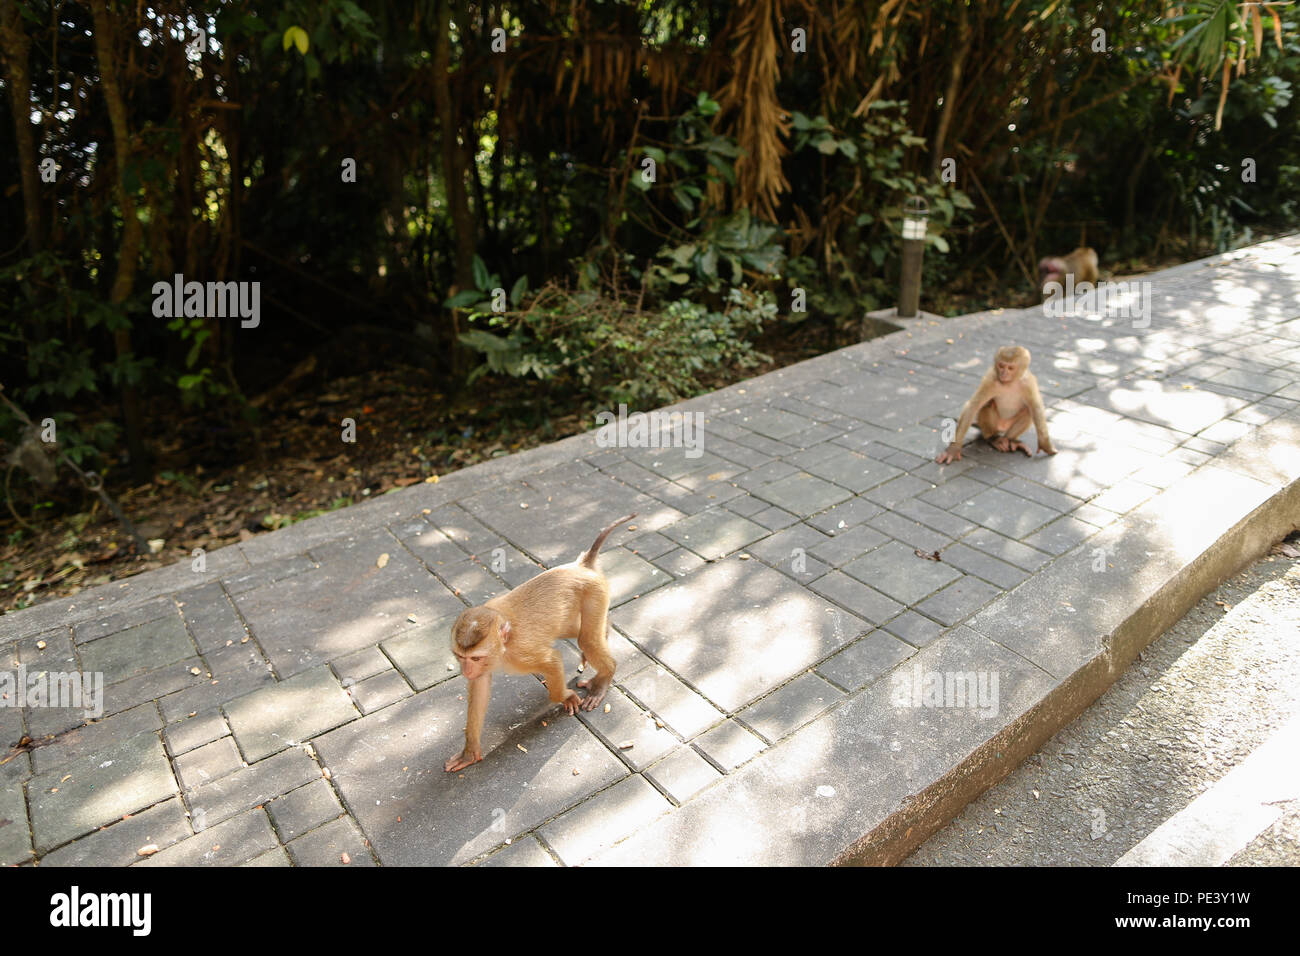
(594, 644)
(1019, 425)
(553, 672)
(987, 420)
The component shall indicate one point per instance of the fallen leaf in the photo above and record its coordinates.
(346, 859)
(929, 556)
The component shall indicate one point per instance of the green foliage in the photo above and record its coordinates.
(599, 340)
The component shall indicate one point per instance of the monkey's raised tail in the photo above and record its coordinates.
(588, 560)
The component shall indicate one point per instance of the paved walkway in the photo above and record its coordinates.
(790, 669)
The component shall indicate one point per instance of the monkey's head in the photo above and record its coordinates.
(1011, 362)
(478, 639)
(1051, 269)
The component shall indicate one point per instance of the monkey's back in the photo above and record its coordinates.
(553, 600)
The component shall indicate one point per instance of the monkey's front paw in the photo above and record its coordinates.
(462, 760)
(572, 703)
(1020, 446)
(952, 454)
(1047, 449)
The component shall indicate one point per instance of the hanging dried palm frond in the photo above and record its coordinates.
(760, 125)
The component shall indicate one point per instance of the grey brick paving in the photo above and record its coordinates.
(765, 606)
(288, 713)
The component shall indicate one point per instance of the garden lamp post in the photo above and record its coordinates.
(915, 213)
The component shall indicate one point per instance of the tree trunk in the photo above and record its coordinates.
(453, 156)
(950, 95)
(132, 232)
(14, 49)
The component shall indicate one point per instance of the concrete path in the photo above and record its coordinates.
(798, 684)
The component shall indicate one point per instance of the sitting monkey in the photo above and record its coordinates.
(517, 631)
(1081, 263)
(1003, 406)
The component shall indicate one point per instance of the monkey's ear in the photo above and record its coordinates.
(505, 631)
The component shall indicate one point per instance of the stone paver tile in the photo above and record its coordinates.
(892, 493)
(1004, 549)
(1061, 535)
(866, 602)
(206, 694)
(736, 629)
(774, 518)
(118, 845)
(788, 708)
(671, 701)
(942, 521)
(231, 843)
(959, 600)
(629, 575)
(897, 571)
(1129, 493)
(854, 472)
(989, 568)
(909, 532)
(379, 691)
(184, 735)
(265, 572)
(303, 809)
(1005, 513)
(863, 661)
(845, 515)
(765, 474)
(152, 610)
(471, 581)
(55, 655)
(207, 763)
(729, 745)
(682, 774)
(1098, 517)
(211, 617)
(355, 667)
(680, 562)
(604, 819)
(847, 545)
(288, 713)
(423, 654)
(328, 845)
(626, 723)
(276, 857)
(522, 852)
(250, 786)
(389, 764)
(15, 836)
(121, 778)
(653, 544)
(802, 493)
(90, 739)
(746, 506)
(1048, 498)
(713, 534)
(954, 492)
(815, 793)
(138, 650)
(346, 604)
(785, 546)
(914, 628)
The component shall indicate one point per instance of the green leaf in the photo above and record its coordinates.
(481, 277)
(518, 290)
(463, 298)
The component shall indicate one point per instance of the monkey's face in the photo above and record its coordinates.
(478, 640)
(1007, 372)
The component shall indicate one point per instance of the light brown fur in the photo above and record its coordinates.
(1004, 405)
(1081, 263)
(516, 632)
